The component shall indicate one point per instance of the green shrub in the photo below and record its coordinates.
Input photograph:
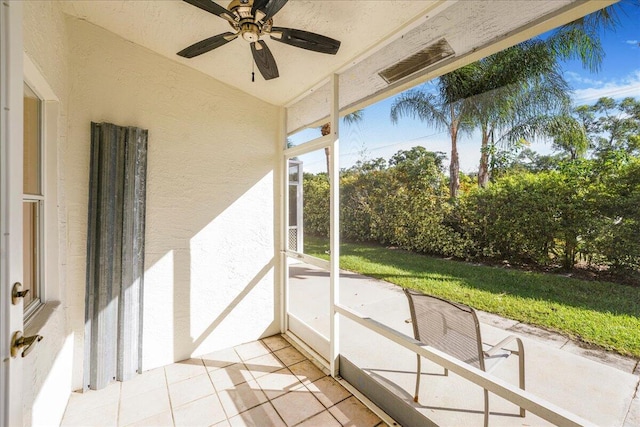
(585, 210)
(617, 240)
(513, 219)
(316, 204)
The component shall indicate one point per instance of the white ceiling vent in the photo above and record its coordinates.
(418, 61)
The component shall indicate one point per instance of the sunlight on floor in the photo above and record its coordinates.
(261, 383)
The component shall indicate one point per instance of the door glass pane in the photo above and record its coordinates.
(296, 235)
(293, 207)
(309, 220)
(294, 167)
(309, 296)
(32, 150)
(31, 264)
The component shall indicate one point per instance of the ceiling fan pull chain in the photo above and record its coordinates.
(253, 74)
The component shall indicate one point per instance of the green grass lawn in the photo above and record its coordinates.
(601, 313)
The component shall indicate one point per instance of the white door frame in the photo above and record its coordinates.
(11, 316)
(332, 141)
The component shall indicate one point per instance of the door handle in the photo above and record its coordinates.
(17, 293)
(24, 344)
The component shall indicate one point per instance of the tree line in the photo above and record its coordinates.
(562, 209)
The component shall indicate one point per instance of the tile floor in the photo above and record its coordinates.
(262, 383)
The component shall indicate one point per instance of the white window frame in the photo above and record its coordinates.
(39, 201)
(49, 237)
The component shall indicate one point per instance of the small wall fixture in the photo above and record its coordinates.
(418, 61)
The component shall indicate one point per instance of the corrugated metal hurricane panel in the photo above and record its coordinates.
(142, 136)
(115, 254)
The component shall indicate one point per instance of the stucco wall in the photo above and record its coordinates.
(47, 369)
(209, 237)
(209, 280)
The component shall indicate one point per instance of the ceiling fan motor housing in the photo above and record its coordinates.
(250, 31)
(248, 26)
(243, 10)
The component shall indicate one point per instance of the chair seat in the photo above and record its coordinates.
(455, 339)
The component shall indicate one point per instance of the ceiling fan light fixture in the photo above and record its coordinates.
(418, 61)
(250, 31)
(259, 16)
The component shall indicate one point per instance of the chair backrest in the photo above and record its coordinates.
(447, 326)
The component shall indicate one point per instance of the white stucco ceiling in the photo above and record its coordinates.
(374, 34)
(168, 26)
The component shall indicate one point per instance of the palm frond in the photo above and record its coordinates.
(420, 105)
(354, 117)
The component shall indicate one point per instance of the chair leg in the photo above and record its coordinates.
(521, 371)
(418, 375)
(486, 408)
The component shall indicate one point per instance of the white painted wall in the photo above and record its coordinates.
(210, 203)
(209, 239)
(47, 369)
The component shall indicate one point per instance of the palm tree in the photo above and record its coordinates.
(513, 87)
(568, 135)
(507, 92)
(580, 39)
(446, 111)
(354, 117)
(494, 94)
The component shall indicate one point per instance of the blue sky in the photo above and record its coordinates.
(376, 136)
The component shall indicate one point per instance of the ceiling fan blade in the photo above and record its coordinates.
(207, 45)
(258, 5)
(267, 7)
(213, 7)
(264, 60)
(305, 40)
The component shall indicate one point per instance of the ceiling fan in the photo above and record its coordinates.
(252, 19)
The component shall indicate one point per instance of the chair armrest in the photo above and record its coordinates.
(493, 350)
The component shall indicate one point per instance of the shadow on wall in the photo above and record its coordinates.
(216, 289)
(209, 214)
(233, 304)
(209, 264)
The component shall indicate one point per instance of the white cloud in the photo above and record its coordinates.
(572, 76)
(633, 42)
(616, 89)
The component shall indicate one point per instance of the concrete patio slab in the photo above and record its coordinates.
(549, 338)
(625, 364)
(495, 320)
(602, 391)
(633, 417)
